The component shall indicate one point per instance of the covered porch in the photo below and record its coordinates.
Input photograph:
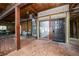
(39, 29)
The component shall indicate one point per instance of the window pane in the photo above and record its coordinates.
(44, 29)
(4, 27)
(0, 27)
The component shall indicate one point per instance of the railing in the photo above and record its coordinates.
(7, 45)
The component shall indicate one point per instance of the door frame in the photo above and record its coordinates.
(64, 26)
(51, 19)
(39, 27)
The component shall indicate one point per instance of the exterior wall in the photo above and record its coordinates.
(55, 13)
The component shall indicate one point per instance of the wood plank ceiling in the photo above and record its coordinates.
(74, 9)
(37, 7)
(3, 6)
(34, 8)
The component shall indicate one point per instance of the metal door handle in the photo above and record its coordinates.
(53, 30)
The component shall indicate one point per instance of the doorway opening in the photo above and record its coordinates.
(58, 30)
(44, 29)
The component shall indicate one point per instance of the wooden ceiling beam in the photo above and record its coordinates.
(73, 5)
(35, 11)
(9, 11)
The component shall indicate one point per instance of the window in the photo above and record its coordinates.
(0, 27)
(74, 27)
(3, 27)
(33, 27)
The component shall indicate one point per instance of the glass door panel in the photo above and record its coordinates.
(44, 29)
(34, 33)
(58, 30)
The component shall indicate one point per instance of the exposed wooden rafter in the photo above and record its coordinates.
(9, 11)
(31, 7)
(73, 5)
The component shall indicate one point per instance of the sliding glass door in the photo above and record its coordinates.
(58, 30)
(44, 29)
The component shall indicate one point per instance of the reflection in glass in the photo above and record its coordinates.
(33, 28)
(44, 29)
(3, 27)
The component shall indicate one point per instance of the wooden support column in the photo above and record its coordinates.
(50, 31)
(68, 27)
(38, 29)
(17, 27)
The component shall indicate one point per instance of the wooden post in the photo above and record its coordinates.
(50, 31)
(38, 29)
(68, 27)
(17, 27)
